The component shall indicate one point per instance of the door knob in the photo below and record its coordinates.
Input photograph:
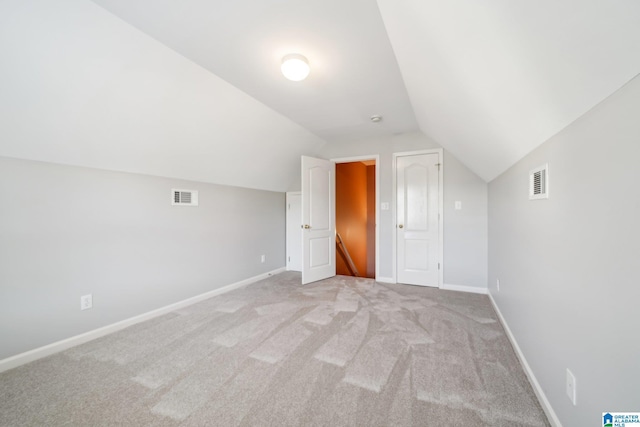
(400, 226)
(307, 226)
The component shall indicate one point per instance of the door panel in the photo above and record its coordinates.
(415, 189)
(417, 232)
(318, 219)
(416, 255)
(319, 253)
(319, 204)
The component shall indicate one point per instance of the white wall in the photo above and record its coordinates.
(465, 231)
(568, 265)
(81, 87)
(69, 231)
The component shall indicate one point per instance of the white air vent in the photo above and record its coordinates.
(539, 183)
(184, 197)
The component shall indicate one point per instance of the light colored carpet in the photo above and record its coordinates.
(343, 351)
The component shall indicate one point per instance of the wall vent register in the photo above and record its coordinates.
(539, 183)
(184, 197)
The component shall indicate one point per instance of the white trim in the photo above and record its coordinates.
(288, 195)
(440, 153)
(394, 219)
(375, 157)
(542, 398)
(441, 211)
(464, 288)
(385, 280)
(352, 159)
(56, 347)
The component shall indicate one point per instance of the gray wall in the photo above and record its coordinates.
(568, 265)
(465, 231)
(69, 231)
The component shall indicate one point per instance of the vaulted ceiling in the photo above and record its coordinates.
(492, 80)
(354, 71)
(190, 88)
(487, 80)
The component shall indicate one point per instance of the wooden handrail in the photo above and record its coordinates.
(350, 263)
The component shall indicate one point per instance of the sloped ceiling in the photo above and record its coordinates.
(81, 87)
(492, 80)
(191, 89)
(354, 74)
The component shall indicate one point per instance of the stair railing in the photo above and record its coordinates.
(350, 263)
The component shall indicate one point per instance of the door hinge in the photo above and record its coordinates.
(438, 266)
(438, 165)
(289, 259)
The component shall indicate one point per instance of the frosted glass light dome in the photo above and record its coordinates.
(295, 67)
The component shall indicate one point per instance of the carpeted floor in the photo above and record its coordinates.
(343, 351)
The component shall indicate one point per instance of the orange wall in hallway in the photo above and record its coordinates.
(371, 221)
(352, 217)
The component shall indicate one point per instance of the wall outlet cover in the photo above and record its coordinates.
(86, 302)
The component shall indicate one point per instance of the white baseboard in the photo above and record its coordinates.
(542, 398)
(460, 288)
(47, 350)
(463, 288)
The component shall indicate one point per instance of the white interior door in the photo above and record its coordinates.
(318, 219)
(418, 245)
(294, 231)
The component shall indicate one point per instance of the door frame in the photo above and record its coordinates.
(440, 153)
(375, 157)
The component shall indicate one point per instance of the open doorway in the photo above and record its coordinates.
(356, 218)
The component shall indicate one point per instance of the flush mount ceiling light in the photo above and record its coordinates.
(295, 67)
(376, 118)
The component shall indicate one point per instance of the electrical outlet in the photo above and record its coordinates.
(571, 386)
(263, 258)
(498, 284)
(86, 302)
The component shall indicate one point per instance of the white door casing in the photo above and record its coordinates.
(318, 219)
(417, 219)
(294, 231)
(376, 159)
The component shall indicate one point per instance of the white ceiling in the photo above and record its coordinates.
(354, 74)
(488, 80)
(81, 87)
(491, 80)
(192, 89)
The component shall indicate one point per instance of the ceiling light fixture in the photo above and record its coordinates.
(295, 67)
(376, 118)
